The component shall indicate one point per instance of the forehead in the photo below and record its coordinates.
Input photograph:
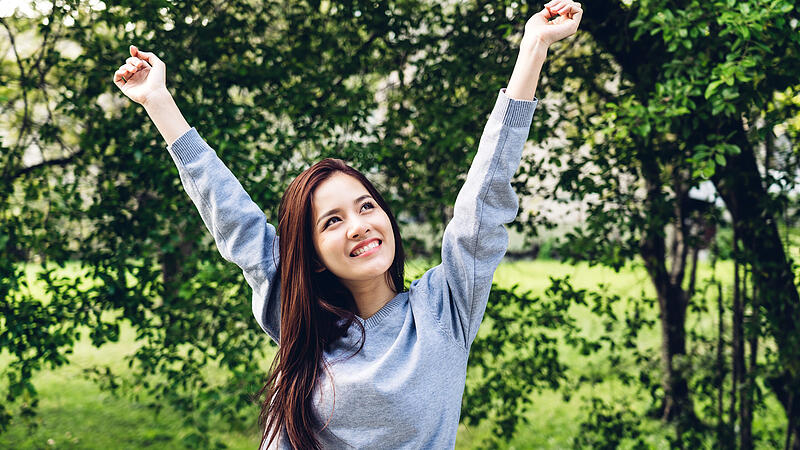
(338, 191)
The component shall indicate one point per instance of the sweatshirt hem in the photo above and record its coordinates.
(513, 113)
(189, 146)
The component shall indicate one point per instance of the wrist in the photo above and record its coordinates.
(534, 45)
(160, 96)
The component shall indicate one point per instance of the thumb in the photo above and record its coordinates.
(577, 17)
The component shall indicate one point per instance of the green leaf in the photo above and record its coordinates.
(711, 88)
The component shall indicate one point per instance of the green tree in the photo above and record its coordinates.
(272, 85)
(657, 97)
(653, 100)
(675, 94)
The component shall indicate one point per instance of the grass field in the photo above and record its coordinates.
(74, 413)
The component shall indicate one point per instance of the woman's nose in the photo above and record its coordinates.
(358, 230)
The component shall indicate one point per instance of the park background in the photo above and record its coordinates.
(649, 298)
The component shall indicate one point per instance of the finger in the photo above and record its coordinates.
(568, 10)
(577, 17)
(148, 57)
(134, 61)
(558, 5)
(568, 26)
(562, 7)
(571, 11)
(545, 13)
(123, 69)
(130, 71)
(119, 80)
(551, 9)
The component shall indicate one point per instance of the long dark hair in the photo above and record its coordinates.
(316, 309)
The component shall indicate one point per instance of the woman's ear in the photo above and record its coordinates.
(318, 267)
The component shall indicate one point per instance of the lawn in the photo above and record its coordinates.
(74, 413)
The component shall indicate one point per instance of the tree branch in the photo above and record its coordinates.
(25, 113)
(61, 162)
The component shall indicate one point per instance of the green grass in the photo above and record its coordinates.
(74, 413)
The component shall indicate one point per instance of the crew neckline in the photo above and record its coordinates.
(382, 313)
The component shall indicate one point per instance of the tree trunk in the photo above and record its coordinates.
(721, 425)
(673, 347)
(740, 185)
(737, 344)
(672, 302)
(750, 381)
(790, 402)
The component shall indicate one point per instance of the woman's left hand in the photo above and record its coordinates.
(557, 20)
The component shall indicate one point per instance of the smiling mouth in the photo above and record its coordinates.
(361, 250)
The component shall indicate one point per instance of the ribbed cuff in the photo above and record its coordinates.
(189, 146)
(513, 113)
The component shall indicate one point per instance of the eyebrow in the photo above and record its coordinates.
(338, 210)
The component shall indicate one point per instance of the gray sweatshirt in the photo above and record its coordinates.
(404, 388)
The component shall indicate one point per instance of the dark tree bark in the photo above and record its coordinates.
(737, 342)
(721, 425)
(677, 402)
(672, 298)
(749, 391)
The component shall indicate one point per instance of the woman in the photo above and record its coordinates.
(361, 363)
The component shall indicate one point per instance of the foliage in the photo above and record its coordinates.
(104, 191)
(521, 344)
(400, 89)
(515, 356)
(653, 100)
(609, 426)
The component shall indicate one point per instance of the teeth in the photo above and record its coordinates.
(369, 246)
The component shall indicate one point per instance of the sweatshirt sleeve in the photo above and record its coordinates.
(475, 240)
(239, 227)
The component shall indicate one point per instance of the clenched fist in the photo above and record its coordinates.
(557, 20)
(142, 77)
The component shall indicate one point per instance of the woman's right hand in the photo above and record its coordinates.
(142, 77)
(556, 21)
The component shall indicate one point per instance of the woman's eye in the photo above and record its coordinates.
(331, 221)
(367, 205)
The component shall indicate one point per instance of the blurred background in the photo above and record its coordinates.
(649, 298)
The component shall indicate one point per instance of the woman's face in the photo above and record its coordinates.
(352, 234)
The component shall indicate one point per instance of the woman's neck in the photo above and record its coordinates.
(370, 296)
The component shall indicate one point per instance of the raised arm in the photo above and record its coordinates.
(239, 227)
(557, 20)
(475, 240)
(143, 78)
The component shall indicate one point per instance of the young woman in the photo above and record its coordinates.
(361, 364)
